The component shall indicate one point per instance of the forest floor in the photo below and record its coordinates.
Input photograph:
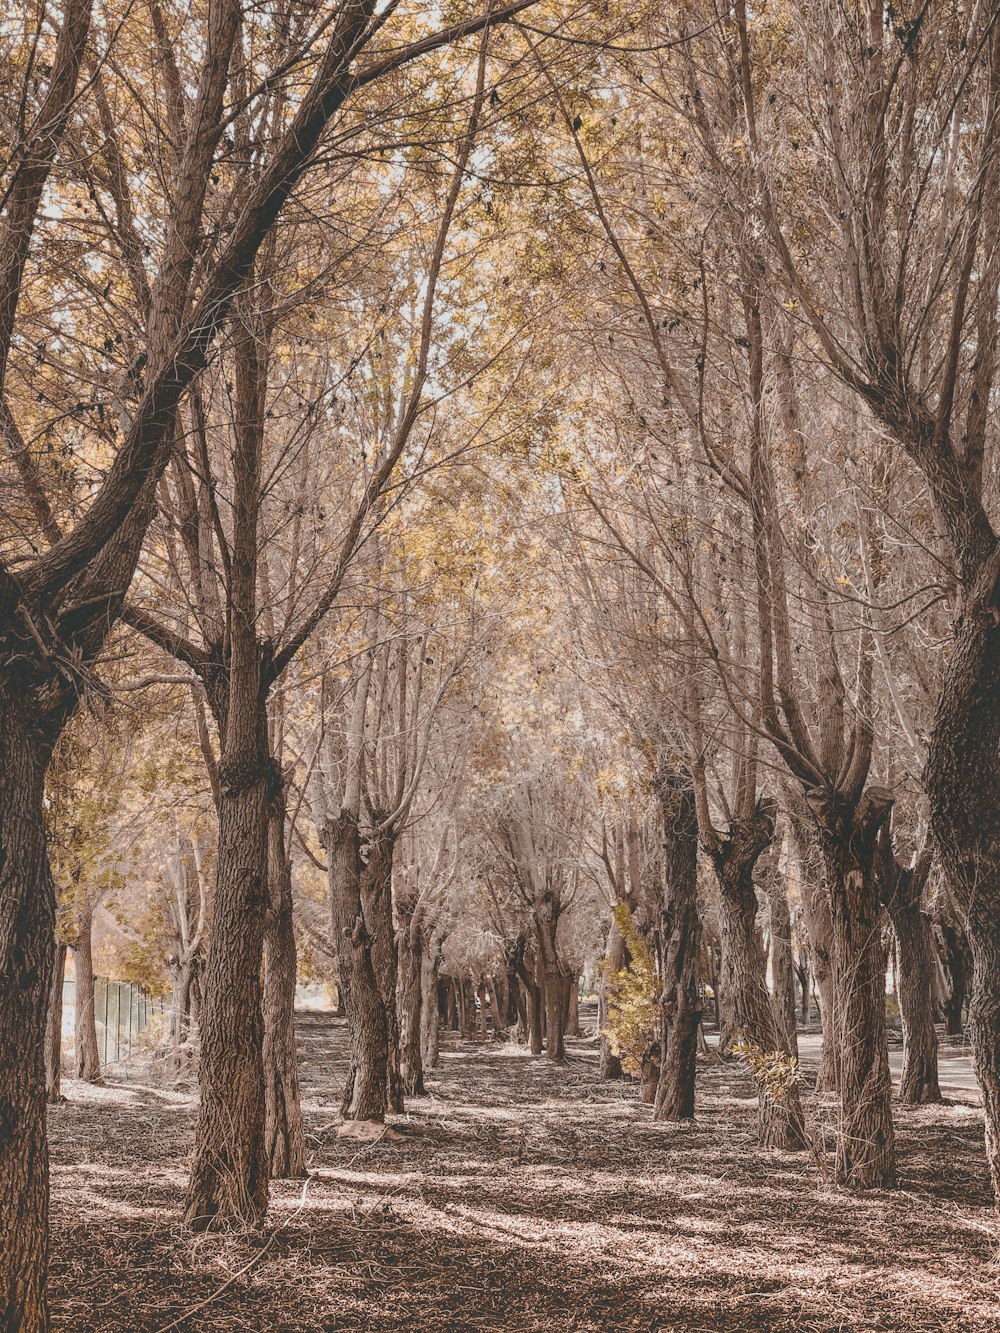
(524, 1197)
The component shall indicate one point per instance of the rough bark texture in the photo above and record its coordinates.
(285, 1135)
(53, 1029)
(376, 903)
(229, 1170)
(680, 931)
(963, 785)
(365, 1090)
(27, 947)
(866, 1153)
(780, 1121)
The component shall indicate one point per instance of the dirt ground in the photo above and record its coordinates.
(521, 1197)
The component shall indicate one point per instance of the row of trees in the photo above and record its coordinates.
(538, 461)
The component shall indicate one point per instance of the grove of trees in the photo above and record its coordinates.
(498, 503)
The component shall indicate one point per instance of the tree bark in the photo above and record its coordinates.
(780, 1120)
(410, 1000)
(532, 1004)
(86, 1055)
(916, 991)
(916, 971)
(819, 927)
(366, 1088)
(546, 927)
(680, 931)
(782, 963)
(956, 961)
(573, 1015)
(27, 948)
(610, 1065)
(229, 1171)
(376, 902)
(866, 1153)
(430, 1009)
(284, 1131)
(53, 1028)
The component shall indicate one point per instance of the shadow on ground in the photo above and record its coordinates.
(522, 1197)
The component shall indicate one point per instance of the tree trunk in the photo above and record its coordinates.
(285, 1134)
(680, 932)
(376, 904)
(780, 1121)
(725, 993)
(782, 963)
(802, 975)
(533, 1005)
(53, 1028)
(430, 1009)
(496, 1011)
(573, 1017)
(230, 1163)
(366, 1087)
(86, 1055)
(181, 1002)
(819, 926)
(866, 1153)
(546, 928)
(956, 960)
(410, 1001)
(916, 992)
(610, 1065)
(27, 949)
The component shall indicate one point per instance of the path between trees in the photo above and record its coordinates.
(955, 1073)
(522, 1197)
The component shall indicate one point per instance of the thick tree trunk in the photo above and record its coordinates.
(53, 1029)
(532, 1005)
(782, 963)
(409, 999)
(680, 931)
(229, 1171)
(86, 1055)
(962, 780)
(780, 1121)
(916, 992)
(550, 968)
(866, 1152)
(376, 904)
(366, 1087)
(27, 948)
(285, 1135)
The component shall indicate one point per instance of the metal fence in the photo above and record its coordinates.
(122, 1013)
